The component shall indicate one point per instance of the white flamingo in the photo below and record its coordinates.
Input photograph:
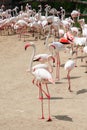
(79, 43)
(57, 47)
(75, 14)
(69, 65)
(43, 58)
(42, 76)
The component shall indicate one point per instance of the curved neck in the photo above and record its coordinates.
(50, 65)
(32, 57)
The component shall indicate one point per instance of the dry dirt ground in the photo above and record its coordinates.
(20, 108)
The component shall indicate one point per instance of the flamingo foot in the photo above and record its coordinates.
(42, 117)
(49, 119)
(41, 98)
(81, 59)
(57, 79)
(48, 96)
(70, 90)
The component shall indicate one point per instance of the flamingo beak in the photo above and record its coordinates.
(27, 45)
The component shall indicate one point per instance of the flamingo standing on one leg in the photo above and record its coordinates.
(42, 76)
(69, 65)
(85, 51)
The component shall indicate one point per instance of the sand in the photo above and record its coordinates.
(20, 108)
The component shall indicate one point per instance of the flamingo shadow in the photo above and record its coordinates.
(64, 118)
(79, 57)
(58, 98)
(82, 65)
(81, 91)
(58, 82)
(55, 98)
(75, 77)
(62, 65)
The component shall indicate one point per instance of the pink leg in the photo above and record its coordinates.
(40, 96)
(81, 54)
(76, 56)
(48, 96)
(41, 101)
(68, 76)
(33, 81)
(49, 117)
(86, 65)
(58, 67)
(48, 91)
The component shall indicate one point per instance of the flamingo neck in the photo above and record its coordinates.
(32, 57)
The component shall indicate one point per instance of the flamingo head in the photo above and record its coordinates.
(51, 45)
(52, 58)
(28, 45)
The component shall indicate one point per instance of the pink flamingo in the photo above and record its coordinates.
(57, 46)
(69, 65)
(42, 76)
(43, 58)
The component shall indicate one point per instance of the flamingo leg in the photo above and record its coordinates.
(68, 77)
(86, 65)
(81, 54)
(49, 117)
(48, 96)
(41, 101)
(76, 56)
(58, 67)
(48, 91)
(33, 81)
(40, 96)
(53, 63)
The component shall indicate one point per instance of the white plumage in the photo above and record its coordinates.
(85, 49)
(58, 46)
(69, 65)
(42, 74)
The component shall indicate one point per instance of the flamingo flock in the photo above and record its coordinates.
(66, 38)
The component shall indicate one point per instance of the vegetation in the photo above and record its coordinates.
(69, 5)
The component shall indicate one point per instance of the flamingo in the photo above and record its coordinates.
(57, 46)
(85, 51)
(75, 14)
(43, 58)
(42, 76)
(68, 39)
(80, 42)
(69, 65)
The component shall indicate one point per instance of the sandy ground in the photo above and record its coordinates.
(20, 108)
